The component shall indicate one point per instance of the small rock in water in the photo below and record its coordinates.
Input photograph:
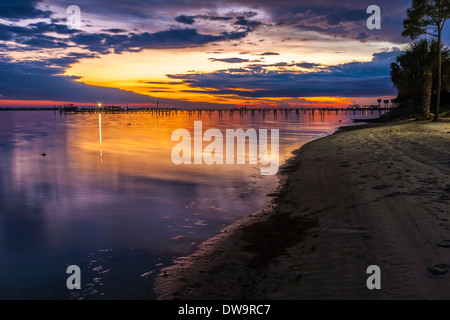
(438, 269)
(147, 274)
(43, 154)
(443, 244)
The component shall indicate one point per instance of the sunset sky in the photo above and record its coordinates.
(198, 53)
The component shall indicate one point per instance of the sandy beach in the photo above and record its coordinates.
(370, 195)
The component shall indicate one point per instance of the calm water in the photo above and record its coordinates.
(108, 198)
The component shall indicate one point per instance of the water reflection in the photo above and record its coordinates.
(100, 135)
(108, 198)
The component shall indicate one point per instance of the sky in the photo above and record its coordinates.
(198, 53)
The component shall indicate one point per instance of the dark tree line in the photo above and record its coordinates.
(422, 73)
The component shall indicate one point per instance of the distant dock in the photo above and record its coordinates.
(320, 112)
(174, 111)
(233, 110)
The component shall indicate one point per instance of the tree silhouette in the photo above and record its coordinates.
(412, 74)
(428, 17)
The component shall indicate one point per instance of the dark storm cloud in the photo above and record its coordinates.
(334, 19)
(35, 29)
(35, 36)
(307, 65)
(229, 60)
(269, 54)
(347, 18)
(176, 38)
(252, 24)
(240, 20)
(38, 42)
(115, 30)
(185, 19)
(342, 18)
(215, 18)
(68, 60)
(192, 19)
(45, 27)
(22, 9)
(354, 79)
(33, 80)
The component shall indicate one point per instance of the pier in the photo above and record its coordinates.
(72, 110)
(237, 111)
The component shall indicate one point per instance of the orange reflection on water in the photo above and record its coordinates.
(139, 144)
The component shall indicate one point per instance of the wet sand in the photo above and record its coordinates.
(372, 195)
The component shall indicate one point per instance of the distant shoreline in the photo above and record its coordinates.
(192, 109)
(370, 195)
(29, 109)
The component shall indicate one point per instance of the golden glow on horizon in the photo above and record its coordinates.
(146, 72)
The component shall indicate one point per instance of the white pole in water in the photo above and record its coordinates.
(100, 126)
(100, 132)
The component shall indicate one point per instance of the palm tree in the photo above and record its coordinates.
(414, 74)
(426, 17)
